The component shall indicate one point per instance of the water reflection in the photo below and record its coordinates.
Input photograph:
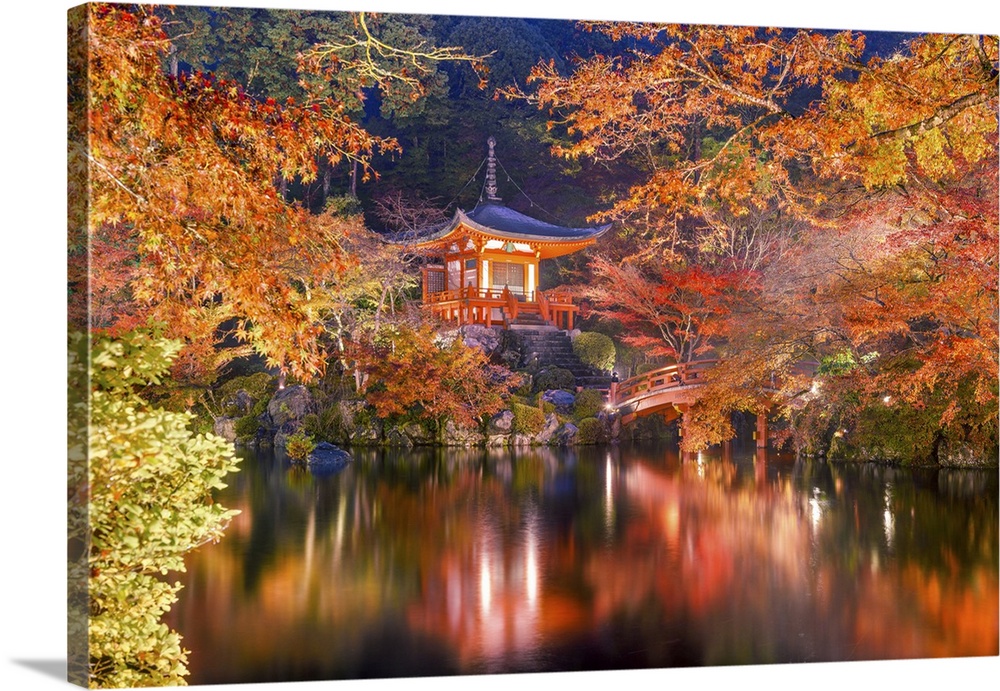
(439, 562)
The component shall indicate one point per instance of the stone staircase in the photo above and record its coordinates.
(553, 348)
(529, 317)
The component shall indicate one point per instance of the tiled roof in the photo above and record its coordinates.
(503, 221)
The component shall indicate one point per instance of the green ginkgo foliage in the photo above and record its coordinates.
(151, 482)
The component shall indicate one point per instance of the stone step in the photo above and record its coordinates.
(551, 347)
(523, 327)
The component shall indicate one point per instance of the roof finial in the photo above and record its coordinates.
(491, 172)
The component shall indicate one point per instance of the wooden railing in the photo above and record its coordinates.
(467, 293)
(558, 308)
(511, 301)
(543, 306)
(663, 379)
(475, 305)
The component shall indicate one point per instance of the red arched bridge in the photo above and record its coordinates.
(669, 391)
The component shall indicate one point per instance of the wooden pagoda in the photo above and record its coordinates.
(484, 264)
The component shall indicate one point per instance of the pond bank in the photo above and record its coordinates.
(258, 418)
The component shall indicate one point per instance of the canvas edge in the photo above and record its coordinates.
(78, 413)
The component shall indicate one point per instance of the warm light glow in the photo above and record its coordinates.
(817, 507)
(888, 521)
(817, 512)
(609, 506)
(485, 585)
(531, 570)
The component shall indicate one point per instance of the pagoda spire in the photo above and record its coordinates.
(491, 172)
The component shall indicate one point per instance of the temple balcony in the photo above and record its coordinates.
(502, 307)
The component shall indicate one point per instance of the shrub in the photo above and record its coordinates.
(589, 402)
(298, 446)
(595, 349)
(521, 400)
(526, 386)
(591, 431)
(327, 426)
(151, 482)
(246, 427)
(555, 378)
(527, 419)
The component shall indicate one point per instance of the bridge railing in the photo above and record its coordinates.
(669, 377)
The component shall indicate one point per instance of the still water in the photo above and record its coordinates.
(431, 562)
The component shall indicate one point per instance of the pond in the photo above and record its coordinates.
(444, 561)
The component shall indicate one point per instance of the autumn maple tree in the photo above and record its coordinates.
(862, 189)
(414, 371)
(666, 311)
(188, 224)
(185, 253)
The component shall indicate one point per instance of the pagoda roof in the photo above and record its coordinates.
(504, 223)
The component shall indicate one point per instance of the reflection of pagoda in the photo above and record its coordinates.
(486, 269)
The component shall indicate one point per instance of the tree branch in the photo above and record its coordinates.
(941, 116)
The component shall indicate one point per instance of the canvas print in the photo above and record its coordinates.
(410, 345)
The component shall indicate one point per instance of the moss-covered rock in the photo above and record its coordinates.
(458, 435)
(565, 435)
(549, 429)
(290, 405)
(239, 394)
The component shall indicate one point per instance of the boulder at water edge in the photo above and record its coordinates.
(225, 427)
(327, 459)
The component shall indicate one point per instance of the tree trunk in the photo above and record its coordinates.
(174, 63)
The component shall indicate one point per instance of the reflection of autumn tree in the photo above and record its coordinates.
(706, 523)
(511, 562)
(876, 497)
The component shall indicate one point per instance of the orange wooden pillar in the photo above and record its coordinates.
(760, 459)
(761, 434)
(683, 409)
